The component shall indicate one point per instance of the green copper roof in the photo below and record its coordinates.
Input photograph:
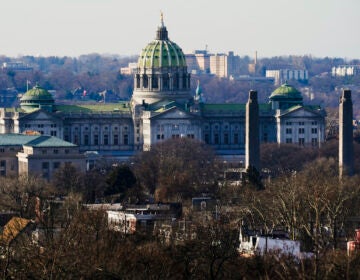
(161, 53)
(15, 139)
(49, 141)
(95, 108)
(286, 91)
(232, 107)
(37, 93)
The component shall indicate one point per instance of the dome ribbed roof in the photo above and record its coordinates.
(37, 93)
(286, 91)
(161, 52)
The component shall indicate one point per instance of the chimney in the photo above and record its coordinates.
(346, 148)
(252, 139)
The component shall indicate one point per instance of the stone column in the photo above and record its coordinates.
(346, 149)
(252, 139)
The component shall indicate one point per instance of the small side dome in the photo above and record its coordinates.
(37, 98)
(285, 91)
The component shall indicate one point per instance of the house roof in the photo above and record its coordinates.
(12, 229)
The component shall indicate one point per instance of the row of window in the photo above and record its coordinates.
(86, 128)
(28, 125)
(301, 123)
(301, 141)
(96, 140)
(301, 130)
(54, 151)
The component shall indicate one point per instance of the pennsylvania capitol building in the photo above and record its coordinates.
(162, 107)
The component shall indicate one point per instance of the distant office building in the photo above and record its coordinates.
(130, 70)
(16, 66)
(225, 65)
(282, 75)
(198, 62)
(345, 70)
(252, 67)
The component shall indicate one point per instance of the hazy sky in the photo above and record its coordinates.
(272, 27)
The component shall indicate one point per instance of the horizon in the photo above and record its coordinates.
(72, 28)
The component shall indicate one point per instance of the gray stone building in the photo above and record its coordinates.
(163, 106)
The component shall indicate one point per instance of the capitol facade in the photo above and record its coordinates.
(163, 106)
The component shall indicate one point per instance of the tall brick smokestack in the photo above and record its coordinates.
(252, 139)
(346, 148)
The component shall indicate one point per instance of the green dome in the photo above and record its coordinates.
(161, 52)
(37, 98)
(285, 91)
(37, 93)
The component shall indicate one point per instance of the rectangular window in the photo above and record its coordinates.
(86, 140)
(53, 133)
(314, 123)
(106, 139)
(289, 131)
(96, 139)
(2, 168)
(226, 138)
(236, 138)
(288, 123)
(56, 165)
(288, 140)
(301, 123)
(45, 165)
(2, 150)
(116, 139)
(314, 130)
(301, 130)
(206, 138)
(301, 141)
(216, 138)
(314, 141)
(126, 139)
(56, 152)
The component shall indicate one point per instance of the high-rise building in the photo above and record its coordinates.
(225, 65)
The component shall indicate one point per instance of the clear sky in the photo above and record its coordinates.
(272, 27)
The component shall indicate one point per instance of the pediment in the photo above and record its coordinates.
(39, 115)
(301, 112)
(174, 113)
